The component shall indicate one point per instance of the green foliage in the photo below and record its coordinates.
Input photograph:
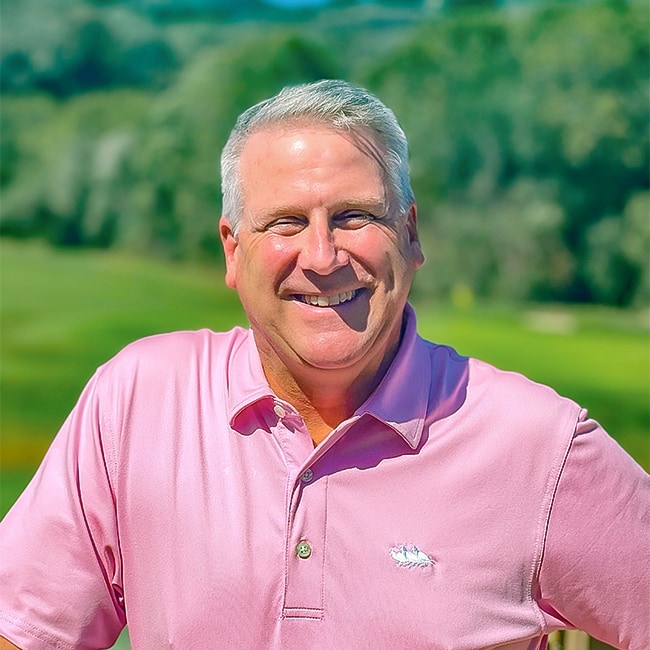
(530, 157)
(510, 249)
(554, 100)
(617, 254)
(65, 175)
(173, 175)
(67, 48)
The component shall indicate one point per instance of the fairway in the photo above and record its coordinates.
(65, 313)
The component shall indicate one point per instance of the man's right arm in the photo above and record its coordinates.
(7, 645)
(52, 531)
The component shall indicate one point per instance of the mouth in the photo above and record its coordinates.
(327, 301)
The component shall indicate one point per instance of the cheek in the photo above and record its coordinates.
(381, 248)
(280, 247)
(267, 261)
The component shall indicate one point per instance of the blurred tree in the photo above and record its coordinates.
(530, 157)
(618, 260)
(457, 73)
(586, 100)
(67, 48)
(463, 5)
(171, 9)
(87, 60)
(507, 247)
(65, 179)
(538, 94)
(16, 72)
(24, 122)
(149, 64)
(9, 151)
(173, 175)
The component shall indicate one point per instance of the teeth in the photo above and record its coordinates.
(328, 301)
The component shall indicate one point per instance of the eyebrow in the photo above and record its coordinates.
(374, 204)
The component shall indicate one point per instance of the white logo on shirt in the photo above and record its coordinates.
(410, 556)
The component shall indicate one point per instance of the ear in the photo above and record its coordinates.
(230, 245)
(414, 238)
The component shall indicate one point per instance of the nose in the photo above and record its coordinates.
(319, 250)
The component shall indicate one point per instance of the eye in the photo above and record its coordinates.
(286, 225)
(353, 219)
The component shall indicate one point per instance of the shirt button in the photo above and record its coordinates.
(279, 411)
(303, 550)
(307, 476)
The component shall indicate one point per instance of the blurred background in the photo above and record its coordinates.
(529, 154)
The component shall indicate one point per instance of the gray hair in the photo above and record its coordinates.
(330, 102)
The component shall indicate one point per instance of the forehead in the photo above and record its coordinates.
(307, 139)
(307, 164)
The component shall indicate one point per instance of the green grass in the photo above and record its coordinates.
(64, 313)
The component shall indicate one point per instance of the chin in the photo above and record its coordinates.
(327, 357)
(328, 363)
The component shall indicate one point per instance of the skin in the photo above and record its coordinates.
(6, 645)
(318, 226)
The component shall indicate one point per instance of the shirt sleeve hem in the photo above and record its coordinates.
(20, 632)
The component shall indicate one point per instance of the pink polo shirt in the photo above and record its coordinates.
(461, 507)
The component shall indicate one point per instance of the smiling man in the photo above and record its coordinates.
(326, 478)
(323, 258)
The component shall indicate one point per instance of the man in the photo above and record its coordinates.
(326, 479)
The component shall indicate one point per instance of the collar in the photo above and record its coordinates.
(400, 401)
(247, 383)
(402, 397)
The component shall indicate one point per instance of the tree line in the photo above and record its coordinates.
(529, 151)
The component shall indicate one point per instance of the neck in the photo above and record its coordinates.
(323, 397)
(323, 409)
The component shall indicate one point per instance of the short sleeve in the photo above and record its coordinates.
(60, 566)
(595, 572)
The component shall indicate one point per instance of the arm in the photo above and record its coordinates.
(595, 573)
(60, 574)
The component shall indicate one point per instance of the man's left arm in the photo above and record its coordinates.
(595, 572)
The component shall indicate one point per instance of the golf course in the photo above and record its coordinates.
(66, 312)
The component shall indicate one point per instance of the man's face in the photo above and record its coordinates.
(321, 263)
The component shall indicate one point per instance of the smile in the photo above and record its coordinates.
(327, 301)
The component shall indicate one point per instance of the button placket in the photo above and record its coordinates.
(306, 549)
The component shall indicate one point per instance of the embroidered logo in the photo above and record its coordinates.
(410, 556)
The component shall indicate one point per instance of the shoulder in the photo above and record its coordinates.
(184, 340)
(517, 394)
(500, 404)
(489, 386)
(174, 352)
